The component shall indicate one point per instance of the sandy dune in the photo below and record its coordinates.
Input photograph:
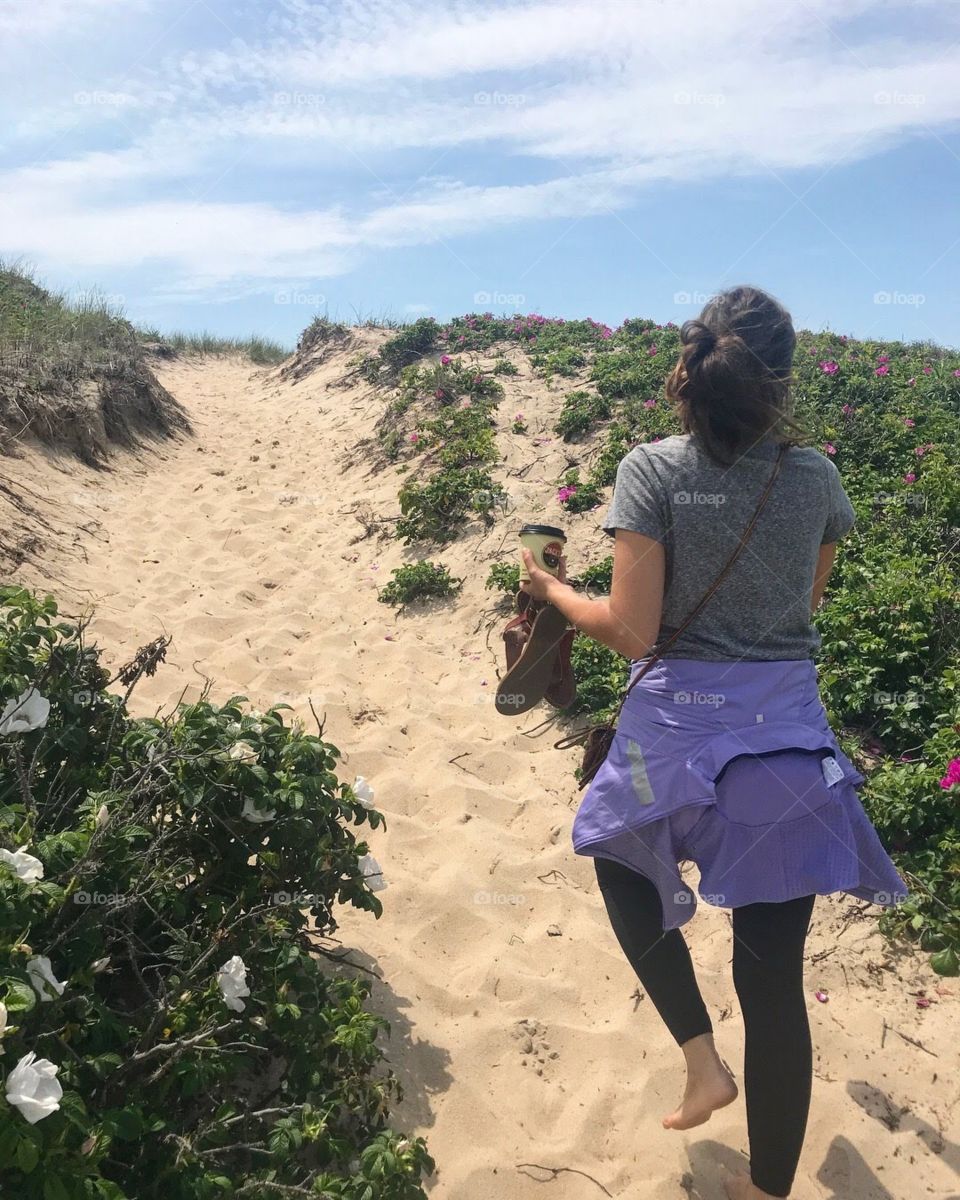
(517, 1028)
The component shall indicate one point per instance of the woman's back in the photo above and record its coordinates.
(672, 490)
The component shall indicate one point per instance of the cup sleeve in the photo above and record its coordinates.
(638, 503)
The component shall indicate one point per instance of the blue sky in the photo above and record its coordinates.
(239, 166)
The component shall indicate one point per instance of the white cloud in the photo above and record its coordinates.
(611, 97)
(42, 17)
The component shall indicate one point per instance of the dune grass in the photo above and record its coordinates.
(73, 372)
(47, 336)
(260, 350)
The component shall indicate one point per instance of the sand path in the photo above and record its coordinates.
(517, 1029)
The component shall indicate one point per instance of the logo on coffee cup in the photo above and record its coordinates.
(551, 555)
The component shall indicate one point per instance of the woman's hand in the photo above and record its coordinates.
(540, 581)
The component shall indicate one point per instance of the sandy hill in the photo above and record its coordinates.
(530, 1061)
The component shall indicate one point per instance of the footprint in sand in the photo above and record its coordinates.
(535, 1050)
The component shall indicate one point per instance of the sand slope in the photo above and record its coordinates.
(517, 1028)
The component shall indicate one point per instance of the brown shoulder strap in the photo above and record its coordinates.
(744, 538)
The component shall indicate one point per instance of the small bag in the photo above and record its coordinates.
(597, 739)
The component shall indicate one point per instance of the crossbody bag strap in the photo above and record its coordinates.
(744, 538)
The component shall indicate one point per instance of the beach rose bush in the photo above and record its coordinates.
(173, 1019)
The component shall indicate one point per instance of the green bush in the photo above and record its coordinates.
(406, 347)
(435, 509)
(505, 577)
(577, 496)
(599, 576)
(419, 581)
(169, 878)
(581, 411)
(601, 675)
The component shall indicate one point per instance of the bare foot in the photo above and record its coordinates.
(705, 1091)
(740, 1187)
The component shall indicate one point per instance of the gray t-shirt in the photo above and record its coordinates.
(673, 491)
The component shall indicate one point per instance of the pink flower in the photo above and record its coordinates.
(518, 417)
(927, 370)
(884, 358)
(847, 409)
(884, 370)
(444, 359)
(414, 437)
(649, 404)
(606, 333)
(821, 995)
(439, 394)
(829, 367)
(565, 493)
(909, 477)
(956, 374)
(920, 451)
(909, 422)
(652, 350)
(952, 777)
(911, 381)
(829, 448)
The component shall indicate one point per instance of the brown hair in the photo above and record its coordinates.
(731, 386)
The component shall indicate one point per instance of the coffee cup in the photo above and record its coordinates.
(545, 543)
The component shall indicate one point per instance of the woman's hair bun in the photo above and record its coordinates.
(698, 336)
(732, 383)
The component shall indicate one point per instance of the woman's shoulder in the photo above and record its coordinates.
(683, 450)
(669, 449)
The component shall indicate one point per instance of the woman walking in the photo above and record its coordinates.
(723, 754)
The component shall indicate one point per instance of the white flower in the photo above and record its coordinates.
(372, 873)
(26, 868)
(243, 752)
(232, 978)
(29, 711)
(32, 1087)
(252, 813)
(363, 791)
(41, 975)
(3, 1022)
(103, 817)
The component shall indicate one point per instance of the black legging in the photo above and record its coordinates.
(768, 941)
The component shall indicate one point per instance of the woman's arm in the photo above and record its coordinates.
(824, 567)
(627, 621)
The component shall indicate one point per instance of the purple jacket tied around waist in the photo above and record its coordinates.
(787, 824)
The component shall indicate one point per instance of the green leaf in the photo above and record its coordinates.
(27, 1155)
(945, 962)
(18, 996)
(9, 1137)
(54, 1188)
(126, 1124)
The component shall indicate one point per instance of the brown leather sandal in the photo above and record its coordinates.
(537, 644)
